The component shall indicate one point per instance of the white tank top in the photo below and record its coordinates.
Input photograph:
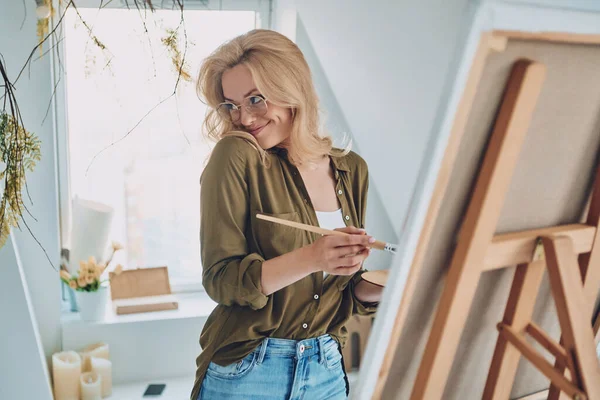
(330, 220)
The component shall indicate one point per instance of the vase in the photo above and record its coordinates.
(92, 305)
(70, 296)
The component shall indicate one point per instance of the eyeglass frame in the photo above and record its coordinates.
(239, 107)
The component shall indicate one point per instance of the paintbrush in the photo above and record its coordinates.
(378, 244)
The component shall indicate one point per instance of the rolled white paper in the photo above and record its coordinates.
(98, 350)
(91, 386)
(90, 227)
(66, 370)
(103, 368)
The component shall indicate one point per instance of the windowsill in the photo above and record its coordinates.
(176, 388)
(191, 305)
(144, 347)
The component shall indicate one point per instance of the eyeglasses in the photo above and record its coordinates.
(255, 105)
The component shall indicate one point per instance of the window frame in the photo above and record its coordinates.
(264, 12)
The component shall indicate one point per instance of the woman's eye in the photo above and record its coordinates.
(229, 106)
(256, 99)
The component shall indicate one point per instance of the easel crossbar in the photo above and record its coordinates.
(509, 249)
(540, 362)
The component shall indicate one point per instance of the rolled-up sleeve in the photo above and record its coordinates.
(360, 307)
(230, 274)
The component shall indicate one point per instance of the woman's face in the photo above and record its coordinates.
(270, 129)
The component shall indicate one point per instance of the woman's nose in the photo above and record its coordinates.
(246, 118)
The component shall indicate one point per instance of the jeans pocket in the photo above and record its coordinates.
(333, 357)
(235, 370)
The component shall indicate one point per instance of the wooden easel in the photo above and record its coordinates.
(479, 250)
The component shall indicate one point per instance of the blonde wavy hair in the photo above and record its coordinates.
(282, 75)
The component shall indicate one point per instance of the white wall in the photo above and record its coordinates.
(378, 220)
(33, 93)
(386, 63)
(24, 373)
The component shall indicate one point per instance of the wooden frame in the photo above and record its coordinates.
(492, 26)
(142, 290)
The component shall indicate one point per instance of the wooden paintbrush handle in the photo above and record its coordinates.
(315, 229)
(379, 245)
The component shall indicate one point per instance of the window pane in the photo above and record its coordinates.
(151, 175)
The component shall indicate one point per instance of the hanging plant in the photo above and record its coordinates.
(19, 148)
(20, 151)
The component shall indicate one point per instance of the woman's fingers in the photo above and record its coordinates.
(351, 240)
(356, 259)
(346, 251)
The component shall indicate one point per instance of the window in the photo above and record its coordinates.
(150, 176)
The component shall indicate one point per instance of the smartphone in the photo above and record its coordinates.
(154, 389)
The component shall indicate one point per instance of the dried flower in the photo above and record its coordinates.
(81, 281)
(73, 284)
(89, 279)
(171, 42)
(118, 269)
(99, 270)
(117, 246)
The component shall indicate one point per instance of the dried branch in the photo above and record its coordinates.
(24, 15)
(20, 151)
(178, 60)
(128, 132)
(28, 62)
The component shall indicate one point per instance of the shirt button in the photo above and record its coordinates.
(347, 217)
(316, 296)
(340, 191)
(305, 326)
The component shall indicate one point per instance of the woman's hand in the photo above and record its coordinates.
(341, 255)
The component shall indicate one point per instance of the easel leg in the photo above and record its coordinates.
(590, 272)
(519, 309)
(571, 306)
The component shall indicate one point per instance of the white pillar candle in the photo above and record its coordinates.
(103, 368)
(66, 370)
(91, 386)
(98, 350)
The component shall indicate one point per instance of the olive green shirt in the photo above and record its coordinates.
(235, 186)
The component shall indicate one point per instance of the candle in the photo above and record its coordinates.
(91, 386)
(98, 350)
(103, 368)
(66, 370)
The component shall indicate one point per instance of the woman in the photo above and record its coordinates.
(283, 294)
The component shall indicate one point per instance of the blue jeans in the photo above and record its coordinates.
(281, 369)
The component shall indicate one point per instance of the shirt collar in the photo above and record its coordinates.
(340, 163)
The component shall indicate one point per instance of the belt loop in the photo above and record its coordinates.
(322, 359)
(262, 351)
